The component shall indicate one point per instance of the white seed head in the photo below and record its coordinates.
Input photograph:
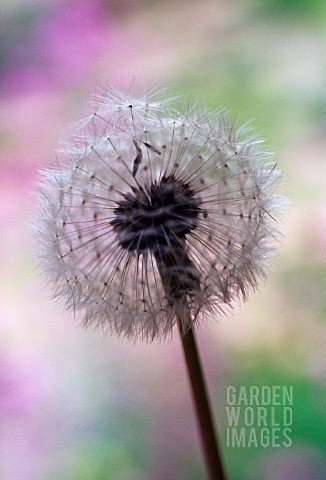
(154, 215)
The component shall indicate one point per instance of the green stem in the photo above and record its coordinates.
(210, 448)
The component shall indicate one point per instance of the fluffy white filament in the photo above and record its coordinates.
(126, 146)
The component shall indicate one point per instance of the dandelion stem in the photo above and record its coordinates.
(210, 448)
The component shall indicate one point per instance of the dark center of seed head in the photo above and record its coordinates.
(156, 219)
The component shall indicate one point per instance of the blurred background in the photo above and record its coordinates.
(76, 405)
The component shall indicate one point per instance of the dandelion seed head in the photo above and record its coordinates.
(155, 215)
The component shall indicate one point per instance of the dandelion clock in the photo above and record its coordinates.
(156, 219)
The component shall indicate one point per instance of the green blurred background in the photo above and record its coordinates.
(78, 406)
